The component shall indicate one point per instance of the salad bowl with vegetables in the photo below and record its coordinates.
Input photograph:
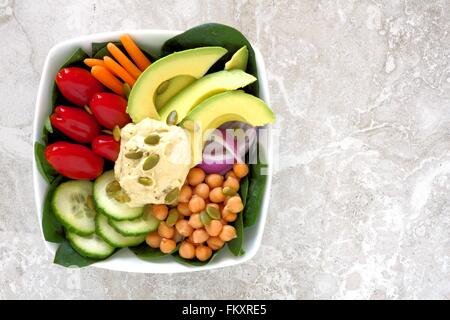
(148, 154)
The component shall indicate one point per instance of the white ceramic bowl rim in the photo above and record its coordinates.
(124, 260)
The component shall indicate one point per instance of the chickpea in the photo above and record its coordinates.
(215, 243)
(214, 180)
(199, 236)
(187, 250)
(240, 170)
(153, 239)
(231, 174)
(214, 228)
(228, 233)
(234, 204)
(203, 253)
(165, 231)
(167, 245)
(195, 222)
(196, 204)
(232, 183)
(183, 208)
(202, 190)
(191, 241)
(185, 194)
(216, 195)
(196, 176)
(184, 228)
(229, 216)
(160, 211)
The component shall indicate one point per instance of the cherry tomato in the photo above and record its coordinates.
(109, 109)
(77, 85)
(75, 123)
(106, 147)
(74, 161)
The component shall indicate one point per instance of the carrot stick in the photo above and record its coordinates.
(123, 60)
(118, 71)
(90, 62)
(134, 52)
(107, 78)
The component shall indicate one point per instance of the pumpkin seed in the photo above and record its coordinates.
(172, 195)
(122, 197)
(146, 181)
(90, 202)
(113, 187)
(152, 139)
(88, 110)
(151, 161)
(205, 218)
(126, 89)
(189, 125)
(172, 118)
(116, 133)
(134, 155)
(229, 191)
(162, 87)
(213, 212)
(172, 218)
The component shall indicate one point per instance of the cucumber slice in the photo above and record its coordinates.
(70, 205)
(109, 206)
(90, 246)
(111, 236)
(136, 227)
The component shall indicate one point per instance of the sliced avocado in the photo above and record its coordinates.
(238, 60)
(220, 108)
(193, 62)
(204, 88)
(174, 86)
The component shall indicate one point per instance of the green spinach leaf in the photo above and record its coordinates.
(99, 49)
(51, 227)
(236, 246)
(257, 186)
(48, 125)
(44, 167)
(66, 256)
(215, 34)
(77, 57)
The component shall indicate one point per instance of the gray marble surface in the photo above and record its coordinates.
(360, 205)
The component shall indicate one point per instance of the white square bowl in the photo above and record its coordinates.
(125, 260)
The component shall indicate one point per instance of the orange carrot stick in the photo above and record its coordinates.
(123, 60)
(118, 71)
(134, 52)
(90, 62)
(107, 79)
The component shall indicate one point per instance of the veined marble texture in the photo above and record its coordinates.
(360, 204)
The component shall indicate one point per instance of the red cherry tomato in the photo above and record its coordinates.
(109, 109)
(74, 161)
(77, 85)
(75, 123)
(106, 147)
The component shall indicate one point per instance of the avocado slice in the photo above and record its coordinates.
(174, 86)
(238, 60)
(204, 88)
(193, 62)
(224, 107)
